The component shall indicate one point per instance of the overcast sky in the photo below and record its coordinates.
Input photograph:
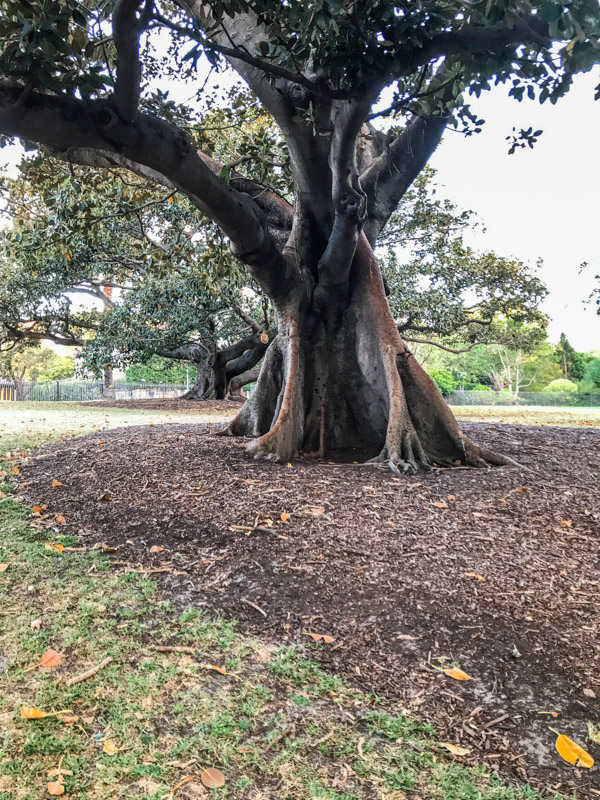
(536, 203)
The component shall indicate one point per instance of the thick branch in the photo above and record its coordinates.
(388, 178)
(441, 346)
(126, 36)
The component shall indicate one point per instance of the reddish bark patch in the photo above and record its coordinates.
(501, 576)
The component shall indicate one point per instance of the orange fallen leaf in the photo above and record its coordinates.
(110, 748)
(440, 504)
(56, 546)
(212, 778)
(415, 485)
(105, 547)
(60, 519)
(475, 575)
(457, 674)
(156, 548)
(523, 490)
(222, 670)
(56, 483)
(182, 783)
(285, 517)
(56, 787)
(29, 712)
(573, 753)
(451, 497)
(321, 637)
(566, 522)
(14, 470)
(2, 495)
(38, 509)
(50, 658)
(3, 567)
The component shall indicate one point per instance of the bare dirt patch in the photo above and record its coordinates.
(176, 404)
(500, 577)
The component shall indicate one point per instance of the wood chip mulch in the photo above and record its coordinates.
(495, 570)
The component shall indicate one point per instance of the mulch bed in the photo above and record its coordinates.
(502, 579)
(172, 404)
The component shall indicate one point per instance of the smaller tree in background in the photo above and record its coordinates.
(591, 377)
(561, 386)
(572, 363)
(27, 364)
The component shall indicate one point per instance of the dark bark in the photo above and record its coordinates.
(236, 384)
(108, 384)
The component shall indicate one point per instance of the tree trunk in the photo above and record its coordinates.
(210, 383)
(338, 377)
(236, 384)
(108, 384)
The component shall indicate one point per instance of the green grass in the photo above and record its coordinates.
(530, 415)
(277, 725)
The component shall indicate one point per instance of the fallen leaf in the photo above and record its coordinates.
(105, 547)
(36, 624)
(56, 483)
(285, 517)
(451, 497)
(212, 778)
(38, 509)
(454, 748)
(475, 575)
(415, 485)
(320, 637)
(105, 496)
(183, 783)
(56, 546)
(590, 693)
(50, 658)
(457, 674)
(110, 748)
(523, 490)
(573, 753)
(156, 548)
(14, 470)
(60, 519)
(566, 522)
(56, 787)
(70, 719)
(29, 712)
(594, 732)
(440, 504)
(222, 670)
(313, 511)
(3, 567)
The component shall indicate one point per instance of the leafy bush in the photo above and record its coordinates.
(561, 385)
(443, 380)
(159, 370)
(591, 375)
(481, 387)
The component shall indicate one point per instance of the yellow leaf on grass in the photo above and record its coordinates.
(212, 778)
(56, 546)
(56, 483)
(454, 748)
(222, 670)
(110, 748)
(29, 712)
(573, 753)
(3, 567)
(318, 637)
(60, 519)
(156, 548)
(14, 470)
(457, 674)
(56, 787)
(440, 504)
(50, 658)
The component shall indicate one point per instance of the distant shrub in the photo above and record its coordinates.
(561, 385)
(481, 387)
(443, 380)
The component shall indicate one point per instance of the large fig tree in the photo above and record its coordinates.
(338, 374)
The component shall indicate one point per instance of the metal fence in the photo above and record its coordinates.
(80, 391)
(523, 399)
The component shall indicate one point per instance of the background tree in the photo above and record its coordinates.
(337, 373)
(26, 363)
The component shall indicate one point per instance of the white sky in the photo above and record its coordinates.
(536, 203)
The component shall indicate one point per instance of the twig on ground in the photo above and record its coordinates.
(85, 675)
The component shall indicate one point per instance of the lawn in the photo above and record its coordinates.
(184, 691)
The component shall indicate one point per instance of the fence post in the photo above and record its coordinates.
(57, 391)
